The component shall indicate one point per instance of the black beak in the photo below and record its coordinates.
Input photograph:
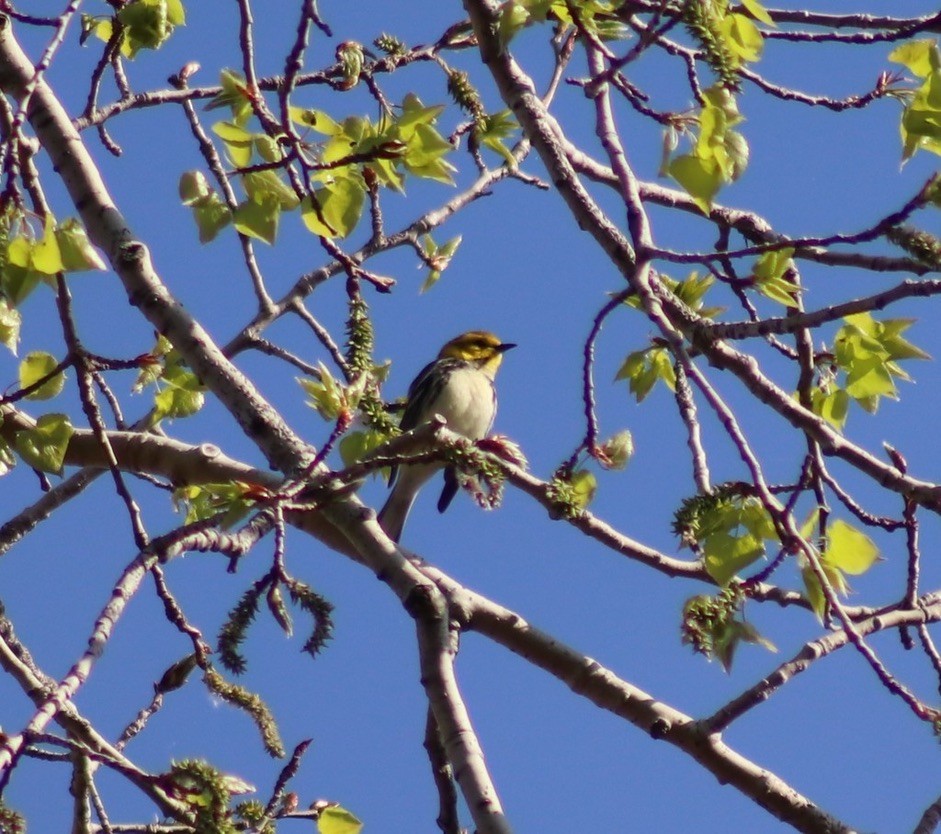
(505, 347)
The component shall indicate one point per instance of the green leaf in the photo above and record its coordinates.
(44, 446)
(644, 367)
(898, 347)
(770, 275)
(492, 130)
(814, 593)
(269, 148)
(153, 364)
(921, 120)
(19, 251)
(148, 23)
(45, 256)
(415, 114)
(732, 536)
(439, 257)
(258, 219)
(339, 206)
(742, 37)
(193, 186)
(832, 406)
(773, 264)
(869, 377)
(260, 185)
(337, 820)
(181, 395)
(75, 248)
(201, 501)
(239, 143)
(424, 153)
(727, 640)
(813, 589)
(849, 550)
(513, 17)
(36, 365)
(212, 215)
(810, 523)
(177, 402)
(921, 57)
(176, 14)
(355, 445)
(327, 396)
(700, 178)
(99, 27)
(10, 321)
(235, 95)
(315, 119)
(726, 554)
(757, 11)
(18, 283)
(209, 210)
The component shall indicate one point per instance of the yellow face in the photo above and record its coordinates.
(477, 346)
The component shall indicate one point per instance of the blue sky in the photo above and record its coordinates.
(526, 272)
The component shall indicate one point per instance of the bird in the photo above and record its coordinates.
(458, 385)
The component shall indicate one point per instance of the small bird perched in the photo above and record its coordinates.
(458, 385)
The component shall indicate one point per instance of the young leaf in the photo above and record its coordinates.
(849, 550)
(700, 178)
(75, 248)
(148, 23)
(742, 37)
(644, 367)
(44, 446)
(355, 445)
(327, 396)
(36, 365)
(45, 256)
(258, 219)
(239, 143)
(181, 395)
(921, 57)
(235, 95)
(757, 11)
(315, 119)
(616, 451)
(18, 282)
(832, 405)
(212, 215)
(10, 321)
(193, 186)
(337, 820)
(339, 206)
(260, 185)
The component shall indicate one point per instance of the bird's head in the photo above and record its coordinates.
(479, 347)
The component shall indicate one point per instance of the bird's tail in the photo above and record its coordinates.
(395, 511)
(408, 482)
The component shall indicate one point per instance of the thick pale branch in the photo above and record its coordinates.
(130, 259)
(589, 679)
(436, 649)
(153, 454)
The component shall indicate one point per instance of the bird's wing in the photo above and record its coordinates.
(422, 394)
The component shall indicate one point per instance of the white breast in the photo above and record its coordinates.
(468, 402)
